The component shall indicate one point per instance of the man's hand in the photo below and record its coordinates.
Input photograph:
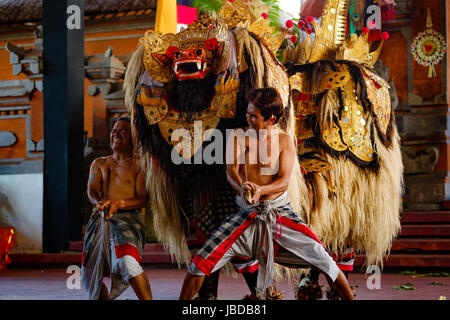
(254, 189)
(108, 207)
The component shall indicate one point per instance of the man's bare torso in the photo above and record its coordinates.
(257, 172)
(122, 178)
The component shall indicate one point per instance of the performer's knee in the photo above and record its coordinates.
(192, 269)
(129, 267)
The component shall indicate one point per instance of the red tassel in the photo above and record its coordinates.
(388, 12)
(375, 35)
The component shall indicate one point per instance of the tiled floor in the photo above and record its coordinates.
(51, 284)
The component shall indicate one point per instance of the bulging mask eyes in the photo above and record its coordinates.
(200, 52)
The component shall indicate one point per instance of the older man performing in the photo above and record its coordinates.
(266, 215)
(115, 235)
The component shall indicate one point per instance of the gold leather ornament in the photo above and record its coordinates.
(155, 42)
(155, 109)
(328, 80)
(355, 128)
(174, 121)
(379, 96)
(331, 136)
(314, 165)
(224, 102)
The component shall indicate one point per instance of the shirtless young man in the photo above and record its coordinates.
(115, 235)
(266, 215)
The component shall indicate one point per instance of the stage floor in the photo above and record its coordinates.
(51, 284)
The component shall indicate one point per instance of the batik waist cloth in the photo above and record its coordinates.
(127, 232)
(267, 214)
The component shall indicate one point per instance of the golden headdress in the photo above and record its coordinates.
(357, 49)
(330, 42)
(330, 33)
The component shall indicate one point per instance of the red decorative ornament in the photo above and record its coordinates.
(289, 24)
(294, 39)
(385, 35)
(309, 30)
(171, 51)
(365, 30)
(211, 44)
(301, 24)
(264, 15)
(309, 19)
(6, 244)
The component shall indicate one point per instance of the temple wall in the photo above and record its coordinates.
(21, 204)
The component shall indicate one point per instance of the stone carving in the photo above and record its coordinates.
(419, 162)
(7, 139)
(106, 71)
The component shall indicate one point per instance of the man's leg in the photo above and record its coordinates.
(209, 287)
(141, 287)
(341, 286)
(104, 294)
(191, 286)
(300, 241)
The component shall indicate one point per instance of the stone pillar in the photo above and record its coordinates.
(63, 42)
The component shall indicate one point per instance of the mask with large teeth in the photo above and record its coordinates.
(191, 63)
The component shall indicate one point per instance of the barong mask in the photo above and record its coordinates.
(187, 55)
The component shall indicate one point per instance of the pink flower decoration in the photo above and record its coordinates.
(301, 24)
(309, 30)
(385, 35)
(309, 19)
(294, 39)
(264, 15)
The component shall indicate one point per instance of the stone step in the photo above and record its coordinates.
(417, 244)
(411, 260)
(420, 230)
(435, 217)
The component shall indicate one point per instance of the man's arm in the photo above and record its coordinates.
(234, 152)
(94, 189)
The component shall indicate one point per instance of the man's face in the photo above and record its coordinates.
(120, 137)
(256, 120)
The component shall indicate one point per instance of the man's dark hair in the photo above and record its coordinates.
(124, 118)
(268, 101)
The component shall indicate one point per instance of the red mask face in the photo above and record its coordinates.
(189, 64)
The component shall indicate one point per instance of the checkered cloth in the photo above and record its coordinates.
(206, 216)
(107, 241)
(233, 226)
(265, 213)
